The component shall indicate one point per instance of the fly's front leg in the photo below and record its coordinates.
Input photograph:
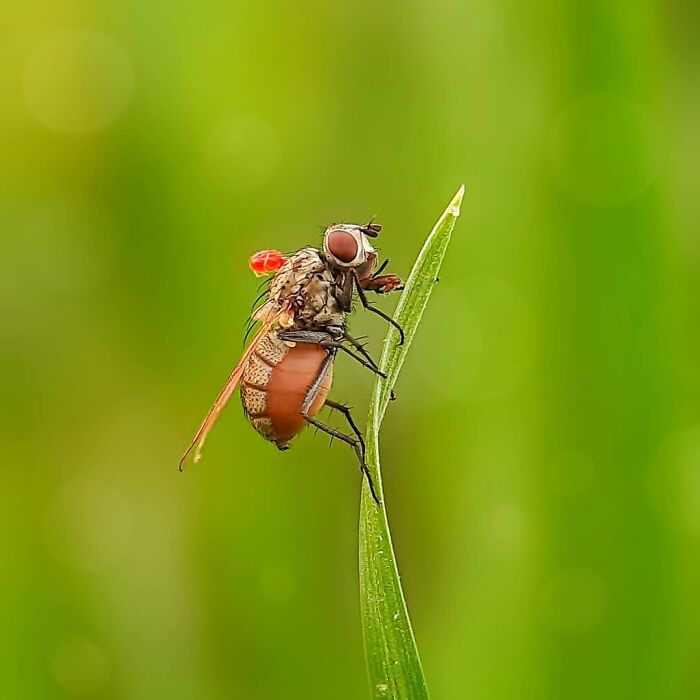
(379, 312)
(381, 284)
(356, 443)
(344, 295)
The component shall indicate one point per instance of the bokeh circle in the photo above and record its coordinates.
(78, 81)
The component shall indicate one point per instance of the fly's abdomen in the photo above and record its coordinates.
(275, 383)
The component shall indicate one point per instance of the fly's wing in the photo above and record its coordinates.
(223, 397)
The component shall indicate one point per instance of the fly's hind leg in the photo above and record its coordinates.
(345, 410)
(357, 443)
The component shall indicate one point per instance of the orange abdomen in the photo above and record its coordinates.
(275, 383)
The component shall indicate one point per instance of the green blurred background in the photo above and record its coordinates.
(542, 463)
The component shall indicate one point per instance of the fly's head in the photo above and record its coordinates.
(348, 247)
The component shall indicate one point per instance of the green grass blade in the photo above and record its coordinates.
(392, 657)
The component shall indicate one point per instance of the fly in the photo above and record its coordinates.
(286, 372)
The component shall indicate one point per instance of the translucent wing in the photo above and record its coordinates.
(224, 395)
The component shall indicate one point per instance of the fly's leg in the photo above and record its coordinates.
(345, 410)
(326, 340)
(361, 349)
(381, 268)
(356, 443)
(382, 284)
(379, 312)
(369, 365)
(305, 336)
(344, 294)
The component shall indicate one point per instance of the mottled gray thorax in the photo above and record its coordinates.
(310, 286)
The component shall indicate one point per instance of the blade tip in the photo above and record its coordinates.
(456, 202)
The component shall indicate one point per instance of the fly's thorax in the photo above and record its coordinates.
(292, 278)
(320, 306)
(307, 286)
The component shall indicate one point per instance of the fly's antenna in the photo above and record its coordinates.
(371, 229)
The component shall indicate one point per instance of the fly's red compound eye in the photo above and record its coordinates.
(266, 261)
(341, 245)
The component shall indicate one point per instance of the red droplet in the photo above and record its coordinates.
(266, 261)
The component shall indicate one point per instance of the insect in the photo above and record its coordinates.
(286, 372)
